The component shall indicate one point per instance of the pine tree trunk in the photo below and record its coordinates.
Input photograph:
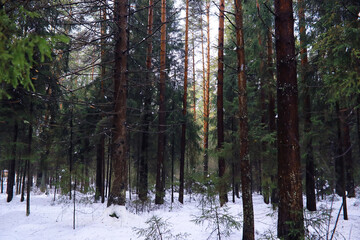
(183, 125)
(11, 173)
(2, 181)
(290, 220)
(117, 194)
(100, 147)
(28, 161)
(22, 198)
(347, 154)
(194, 74)
(271, 115)
(160, 184)
(143, 165)
(100, 158)
(19, 174)
(71, 151)
(310, 169)
(207, 92)
(220, 105)
(263, 183)
(340, 161)
(245, 167)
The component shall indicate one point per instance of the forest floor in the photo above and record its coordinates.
(53, 220)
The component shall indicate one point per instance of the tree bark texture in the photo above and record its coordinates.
(160, 184)
(117, 194)
(143, 171)
(207, 93)
(220, 105)
(290, 218)
(183, 125)
(271, 112)
(309, 158)
(245, 167)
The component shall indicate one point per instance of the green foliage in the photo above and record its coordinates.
(20, 51)
(218, 220)
(158, 229)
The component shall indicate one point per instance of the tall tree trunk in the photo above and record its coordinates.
(194, 76)
(207, 92)
(71, 151)
(2, 181)
(100, 158)
(143, 171)
(117, 194)
(347, 153)
(310, 168)
(220, 105)
(263, 183)
(271, 113)
(290, 220)
(245, 167)
(100, 147)
(340, 161)
(183, 125)
(160, 184)
(19, 174)
(28, 161)
(11, 173)
(22, 198)
(47, 131)
(172, 158)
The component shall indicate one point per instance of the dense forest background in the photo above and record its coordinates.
(105, 97)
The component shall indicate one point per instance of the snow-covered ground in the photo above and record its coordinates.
(54, 220)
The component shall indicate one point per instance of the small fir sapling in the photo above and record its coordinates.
(159, 229)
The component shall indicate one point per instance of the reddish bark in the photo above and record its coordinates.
(143, 165)
(290, 220)
(245, 167)
(117, 194)
(207, 86)
(183, 125)
(160, 185)
(310, 168)
(220, 105)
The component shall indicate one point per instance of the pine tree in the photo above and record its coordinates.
(290, 220)
(248, 212)
(119, 182)
(160, 172)
(220, 105)
(183, 125)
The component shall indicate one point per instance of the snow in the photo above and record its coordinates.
(54, 220)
